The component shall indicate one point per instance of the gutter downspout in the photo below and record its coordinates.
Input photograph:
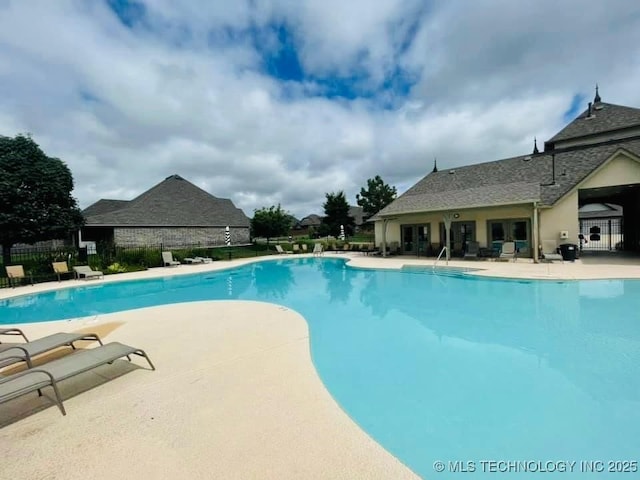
(536, 233)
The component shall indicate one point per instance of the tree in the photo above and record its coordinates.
(270, 222)
(377, 196)
(35, 195)
(336, 211)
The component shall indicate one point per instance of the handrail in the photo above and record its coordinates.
(444, 249)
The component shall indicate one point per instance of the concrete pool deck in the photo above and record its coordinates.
(235, 393)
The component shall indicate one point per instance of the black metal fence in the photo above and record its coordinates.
(602, 234)
(108, 258)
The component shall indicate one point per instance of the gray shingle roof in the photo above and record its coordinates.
(509, 181)
(609, 117)
(104, 206)
(312, 220)
(174, 202)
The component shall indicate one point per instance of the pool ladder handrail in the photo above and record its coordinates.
(444, 249)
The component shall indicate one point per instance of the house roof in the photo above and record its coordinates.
(522, 179)
(174, 202)
(605, 117)
(312, 220)
(104, 206)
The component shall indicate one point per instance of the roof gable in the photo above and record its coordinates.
(510, 181)
(605, 117)
(173, 202)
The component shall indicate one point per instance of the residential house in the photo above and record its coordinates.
(529, 198)
(173, 213)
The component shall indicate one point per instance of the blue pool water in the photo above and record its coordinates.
(440, 367)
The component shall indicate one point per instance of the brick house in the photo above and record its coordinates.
(174, 213)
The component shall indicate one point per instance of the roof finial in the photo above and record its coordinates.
(435, 165)
(597, 98)
(535, 146)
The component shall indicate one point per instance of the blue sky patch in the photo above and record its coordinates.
(129, 12)
(578, 104)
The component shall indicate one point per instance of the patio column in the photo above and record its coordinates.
(535, 233)
(447, 227)
(384, 236)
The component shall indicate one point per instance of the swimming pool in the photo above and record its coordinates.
(447, 368)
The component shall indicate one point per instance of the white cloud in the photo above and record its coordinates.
(185, 92)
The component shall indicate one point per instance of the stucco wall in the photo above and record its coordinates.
(434, 219)
(621, 170)
(562, 217)
(175, 237)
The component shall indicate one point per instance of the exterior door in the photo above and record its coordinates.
(460, 234)
(511, 230)
(415, 239)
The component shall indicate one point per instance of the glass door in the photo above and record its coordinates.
(517, 231)
(408, 245)
(414, 239)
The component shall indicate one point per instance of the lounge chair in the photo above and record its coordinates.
(192, 260)
(280, 250)
(473, 248)
(317, 249)
(296, 248)
(11, 353)
(85, 272)
(550, 251)
(13, 331)
(168, 261)
(49, 374)
(509, 251)
(304, 248)
(61, 268)
(15, 272)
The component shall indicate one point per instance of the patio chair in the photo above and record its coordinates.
(14, 273)
(550, 251)
(473, 248)
(168, 261)
(296, 248)
(509, 251)
(61, 268)
(85, 272)
(11, 353)
(317, 249)
(281, 251)
(13, 331)
(193, 260)
(304, 248)
(49, 374)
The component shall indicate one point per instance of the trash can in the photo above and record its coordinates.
(568, 251)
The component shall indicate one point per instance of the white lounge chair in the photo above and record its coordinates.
(168, 261)
(281, 251)
(86, 272)
(550, 251)
(317, 249)
(509, 251)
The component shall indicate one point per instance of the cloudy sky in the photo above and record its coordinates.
(281, 101)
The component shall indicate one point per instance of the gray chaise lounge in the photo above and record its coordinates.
(49, 374)
(11, 353)
(13, 331)
(85, 272)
